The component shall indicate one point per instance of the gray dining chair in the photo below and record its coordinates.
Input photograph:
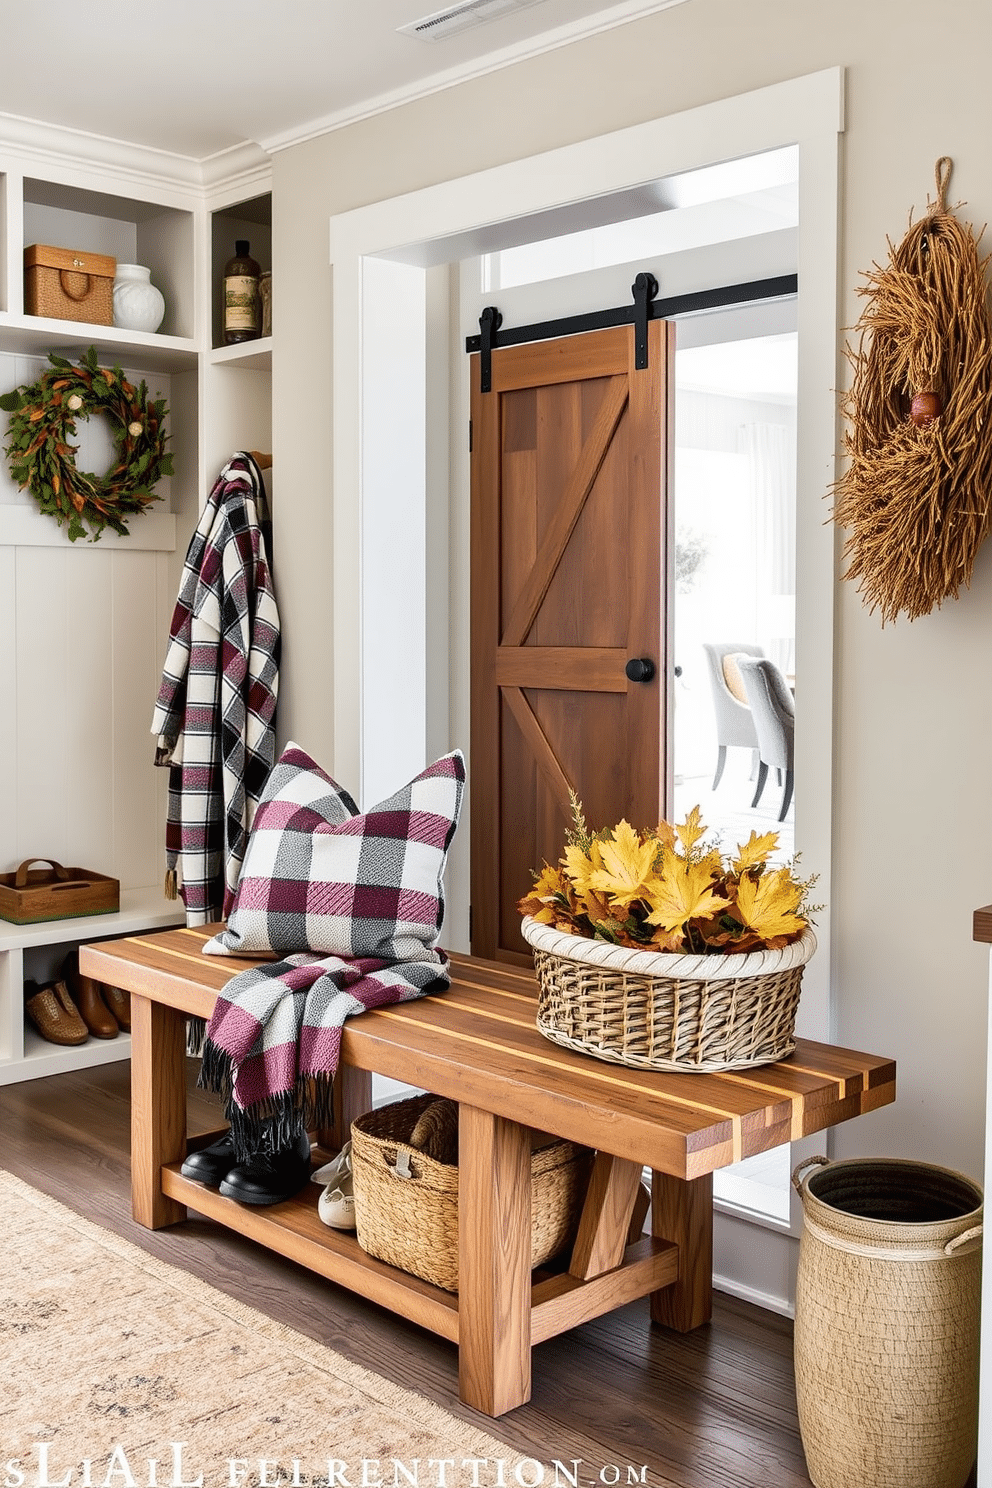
(774, 712)
(734, 724)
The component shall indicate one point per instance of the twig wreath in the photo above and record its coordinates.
(915, 498)
(42, 459)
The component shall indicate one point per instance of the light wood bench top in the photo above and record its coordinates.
(478, 1043)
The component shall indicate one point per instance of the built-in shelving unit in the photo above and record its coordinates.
(87, 623)
(36, 952)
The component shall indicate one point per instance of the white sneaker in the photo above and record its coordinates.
(336, 1205)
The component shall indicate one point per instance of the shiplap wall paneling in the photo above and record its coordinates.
(89, 765)
(8, 693)
(136, 653)
(45, 731)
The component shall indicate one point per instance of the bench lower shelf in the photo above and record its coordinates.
(294, 1229)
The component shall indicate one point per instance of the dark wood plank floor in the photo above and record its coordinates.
(713, 1409)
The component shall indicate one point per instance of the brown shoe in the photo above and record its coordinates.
(119, 1003)
(85, 993)
(54, 1016)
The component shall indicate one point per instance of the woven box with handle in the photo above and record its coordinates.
(66, 284)
(30, 895)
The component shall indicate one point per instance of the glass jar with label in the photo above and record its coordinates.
(265, 293)
(242, 319)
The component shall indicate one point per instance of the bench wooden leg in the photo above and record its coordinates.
(682, 1210)
(607, 1216)
(158, 1108)
(494, 1247)
(352, 1096)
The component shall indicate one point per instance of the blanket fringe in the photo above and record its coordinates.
(196, 1032)
(277, 1120)
(171, 884)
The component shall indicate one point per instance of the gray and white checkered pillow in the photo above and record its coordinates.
(320, 876)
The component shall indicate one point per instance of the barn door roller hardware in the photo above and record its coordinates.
(646, 307)
(489, 323)
(644, 289)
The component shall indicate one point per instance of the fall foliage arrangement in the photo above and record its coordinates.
(667, 889)
(916, 497)
(43, 459)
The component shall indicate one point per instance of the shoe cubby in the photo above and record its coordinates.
(35, 953)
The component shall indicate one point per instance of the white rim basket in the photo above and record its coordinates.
(663, 1011)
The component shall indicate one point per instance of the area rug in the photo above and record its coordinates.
(120, 1371)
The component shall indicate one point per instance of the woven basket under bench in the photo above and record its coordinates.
(406, 1202)
(667, 1012)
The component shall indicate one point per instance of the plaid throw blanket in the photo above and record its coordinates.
(373, 885)
(214, 717)
(274, 1038)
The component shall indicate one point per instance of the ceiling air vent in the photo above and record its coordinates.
(461, 16)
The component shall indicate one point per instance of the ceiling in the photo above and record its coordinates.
(197, 77)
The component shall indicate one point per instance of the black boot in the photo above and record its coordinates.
(271, 1175)
(212, 1164)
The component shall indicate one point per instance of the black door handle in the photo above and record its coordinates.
(639, 669)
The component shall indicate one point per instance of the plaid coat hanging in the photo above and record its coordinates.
(215, 714)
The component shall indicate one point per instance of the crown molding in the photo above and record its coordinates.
(535, 46)
(121, 162)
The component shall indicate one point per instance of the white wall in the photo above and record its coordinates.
(913, 822)
(82, 636)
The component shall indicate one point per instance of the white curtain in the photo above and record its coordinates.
(772, 484)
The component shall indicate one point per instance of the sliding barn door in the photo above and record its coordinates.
(570, 651)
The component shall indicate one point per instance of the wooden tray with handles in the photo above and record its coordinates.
(55, 893)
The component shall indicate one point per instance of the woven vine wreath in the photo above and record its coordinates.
(915, 497)
(42, 459)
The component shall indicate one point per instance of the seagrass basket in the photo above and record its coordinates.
(888, 1323)
(667, 1012)
(406, 1202)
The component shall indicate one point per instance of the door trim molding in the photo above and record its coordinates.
(454, 219)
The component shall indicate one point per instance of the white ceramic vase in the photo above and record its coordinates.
(138, 305)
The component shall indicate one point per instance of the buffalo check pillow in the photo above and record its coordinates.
(321, 876)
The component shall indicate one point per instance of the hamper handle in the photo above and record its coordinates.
(806, 1163)
(973, 1234)
(79, 274)
(21, 876)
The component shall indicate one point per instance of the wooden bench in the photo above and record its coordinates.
(478, 1044)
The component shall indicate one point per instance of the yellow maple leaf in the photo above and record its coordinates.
(681, 891)
(540, 903)
(664, 833)
(755, 850)
(690, 831)
(627, 865)
(580, 866)
(768, 904)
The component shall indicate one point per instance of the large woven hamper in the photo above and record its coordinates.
(412, 1222)
(887, 1323)
(667, 1012)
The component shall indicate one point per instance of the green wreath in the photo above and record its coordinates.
(42, 459)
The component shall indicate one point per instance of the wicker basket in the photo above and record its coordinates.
(667, 1012)
(888, 1309)
(412, 1221)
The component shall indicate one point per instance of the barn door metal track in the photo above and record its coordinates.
(645, 307)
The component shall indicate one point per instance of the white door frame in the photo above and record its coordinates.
(478, 213)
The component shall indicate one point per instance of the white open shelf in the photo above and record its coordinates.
(254, 355)
(34, 334)
(24, 1054)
